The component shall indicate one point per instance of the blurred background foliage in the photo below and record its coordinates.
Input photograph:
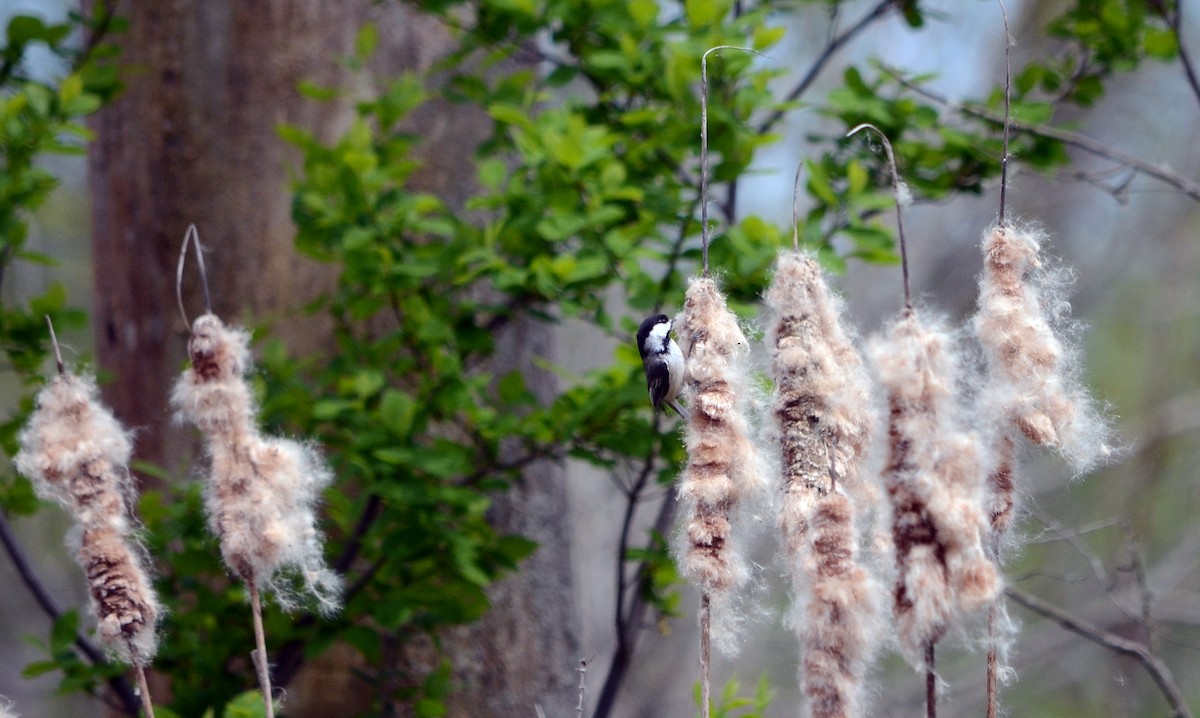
(585, 213)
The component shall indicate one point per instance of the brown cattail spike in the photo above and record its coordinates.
(1020, 309)
(262, 491)
(823, 416)
(934, 476)
(75, 452)
(722, 468)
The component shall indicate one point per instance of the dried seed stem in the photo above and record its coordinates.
(896, 191)
(705, 653)
(191, 236)
(143, 686)
(58, 360)
(992, 663)
(930, 682)
(260, 652)
(704, 144)
(1008, 43)
(796, 208)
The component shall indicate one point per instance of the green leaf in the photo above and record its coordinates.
(701, 13)
(247, 705)
(644, 12)
(366, 40)
(766, 36)
(397, 410)
(1161, 44)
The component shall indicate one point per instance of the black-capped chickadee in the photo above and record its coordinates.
(663, 362)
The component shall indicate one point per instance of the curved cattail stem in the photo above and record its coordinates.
(1008, 42)
(260, 651)
(58, 360)
(191, 236)
(704, 144)
(898, 192)
(143, 686)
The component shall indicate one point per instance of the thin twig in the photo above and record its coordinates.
(1159, 671)
(119, 686)
(260, 652)
(1161, 173)
(632, 623)
(896, 192)
(1189, 70)
(826, 55)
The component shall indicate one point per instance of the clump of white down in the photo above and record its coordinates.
(76, 453)
(262, 491)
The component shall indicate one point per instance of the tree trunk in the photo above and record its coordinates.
(193, 140)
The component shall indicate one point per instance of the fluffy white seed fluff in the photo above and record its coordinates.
(262, 492)
(822, 400)
(76, 453)
(935, 475)
(1023, 326)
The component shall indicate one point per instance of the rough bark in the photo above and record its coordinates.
(193, 139)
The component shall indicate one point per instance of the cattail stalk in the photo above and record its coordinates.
(823, 414)
(934, 476)
(76, 453)
(262, 491)
(1033, 370)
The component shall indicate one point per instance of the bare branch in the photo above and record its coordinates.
(1161, 173)
(1159, 672)
(823, 59)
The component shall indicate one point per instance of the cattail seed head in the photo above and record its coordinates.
(262, 492)
(822, 402)
(822, 408)
(75, 452)
(1022, 328)
(934, 476)
(722, 467)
